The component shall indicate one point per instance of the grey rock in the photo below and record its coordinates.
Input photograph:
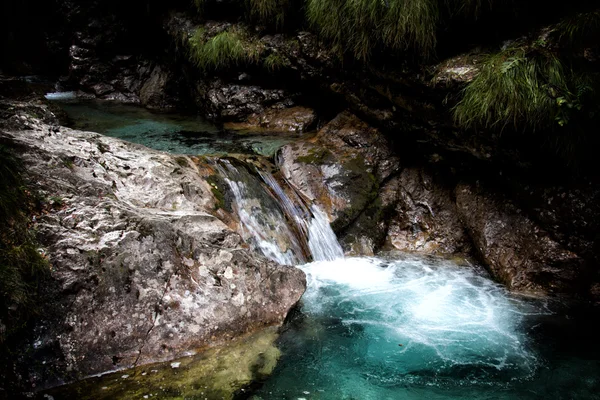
(142, 269)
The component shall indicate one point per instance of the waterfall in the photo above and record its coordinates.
(275, 220)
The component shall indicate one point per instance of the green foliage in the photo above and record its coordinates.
(274, 62)
(268, 11)
(20, 263)
(524, 87)
(360, 25)
(578, 30)
(224, 50)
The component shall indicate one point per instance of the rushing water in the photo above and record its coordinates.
(276, 221)
(391, 327)
(413, 328)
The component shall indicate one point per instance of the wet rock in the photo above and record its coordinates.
(155, 92)
(218, 373)
(516, 250)
(425, 217)
(341, 169)
(295, 119)
(142, 269)
(236, 102)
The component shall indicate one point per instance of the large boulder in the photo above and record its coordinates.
(142, 269)
(425, 217)
(341, 168)
(516, 250)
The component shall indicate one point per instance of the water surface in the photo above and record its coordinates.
(173, 133)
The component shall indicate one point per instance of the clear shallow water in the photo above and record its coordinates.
(180, 134)
(416, 328)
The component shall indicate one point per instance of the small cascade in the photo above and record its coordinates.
(275, 220)
(322, 242)
(313, 222)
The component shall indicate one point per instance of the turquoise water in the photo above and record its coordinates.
(425, 329)
(174, 133)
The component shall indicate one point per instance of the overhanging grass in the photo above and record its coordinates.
(522, 87)
(268, 11)
(578, 30)
(360, 25)
(224, 50)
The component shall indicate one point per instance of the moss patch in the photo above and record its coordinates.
(316, 155)
(215, 374)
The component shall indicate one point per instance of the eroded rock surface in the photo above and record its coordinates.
(516, 250)
(341, 169)
(142, 269)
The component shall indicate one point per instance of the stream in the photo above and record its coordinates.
(395, 326)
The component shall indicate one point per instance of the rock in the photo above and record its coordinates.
(142, 269)
(425, 217)
(218, 373)
(341, 169)
(294, 119)
(516, 250)
(235, 102)
(156, 91)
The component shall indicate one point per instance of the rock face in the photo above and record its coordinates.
(295, 120)
(516, 250)
(341, 168)
(374, 203)
(142, 271)
(238, 101)
(425, 217)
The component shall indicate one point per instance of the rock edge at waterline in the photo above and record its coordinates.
(142, 270)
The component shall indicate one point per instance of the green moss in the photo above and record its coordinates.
(21, 265)
(215, 183)
(182, 161)
(316, 155)
(226, 49)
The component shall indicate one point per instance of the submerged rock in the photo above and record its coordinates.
(218, 373)
(142, 269)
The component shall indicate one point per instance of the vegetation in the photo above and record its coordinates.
(21, 265)
(224, 50)
(268, 11)
(534, 85)
(520, 86)
(274, 62)
(577, 30)
(360, 25)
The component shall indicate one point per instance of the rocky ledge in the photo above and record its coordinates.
(142, 268)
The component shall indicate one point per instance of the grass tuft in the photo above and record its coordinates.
(270, 12)
(523, 87)
(224, 50)
(578, 30)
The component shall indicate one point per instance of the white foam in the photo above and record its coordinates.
(440, 310)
